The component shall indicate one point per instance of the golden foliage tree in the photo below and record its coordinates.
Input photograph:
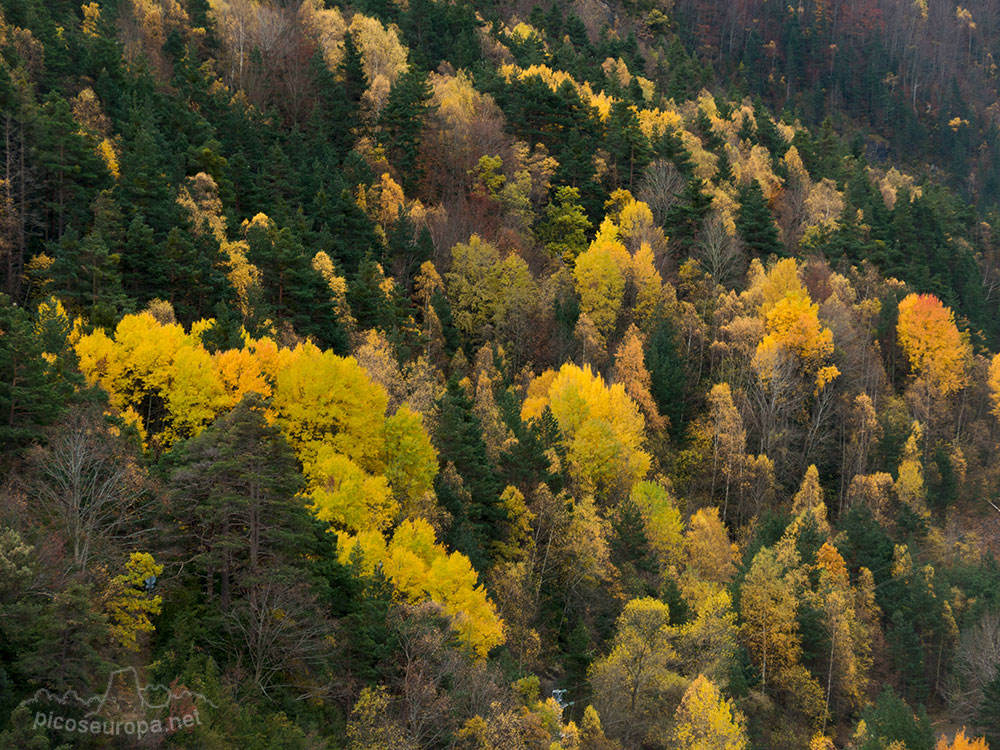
(633, 682)
(932, 342)
(600, 425)
(705, 720)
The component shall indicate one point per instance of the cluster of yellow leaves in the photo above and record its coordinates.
(711, 557)
(932, 342)
(890, 183)
(147, 361)
(487, 290)
(556, 78)
(323, 402)
(522, 31)
(631, 683)
(600, 277)
(852, 660)
(662, 523)
(754, 163)
(327, 27)
(420, 568)
(360, 465)
(155, 19)
(456, 99)
(630, 371)
(106, 150)
(619, 69)
(383, 56)
(873, 490)
(128, 602)
(89, 113)
(706, 720)
(323, 265)
(910, 478)
(654, 123)
(768, 603)
(791, 324)
(824, 203)
(199, 197)
(962, 742)
(91, 17)
(601, 425)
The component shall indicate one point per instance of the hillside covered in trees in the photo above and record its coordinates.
(470, 375)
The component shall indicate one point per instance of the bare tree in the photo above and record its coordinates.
(87, 486)
(721, 255)
(977, 659)
(278, 638)
(661, 182)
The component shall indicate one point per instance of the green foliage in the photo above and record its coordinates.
(891, 720)
(33, 390)
(754, 222)
(988, 716)
(470, 492)
(563, 229)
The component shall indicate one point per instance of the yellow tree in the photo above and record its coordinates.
(409, 458)
(994, 384)
(601, 427)
(710, 554)
(961, 742)
(724, 439)
(420, 568)
(850, 640)
(600, 278)
(708, 644)
(769, 601)
(808, 503)
(155, 373)
(487, 291)
(651, 294)
(631, 372)
(633, 682)
(865, 430)
(932, 342)
(662, 523)
(706, 720)
(910, 477)
(129, 601)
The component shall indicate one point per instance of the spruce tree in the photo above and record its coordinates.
(754, 222)
(668, 376)
(627, 144)
(684, 219)
(475, 504)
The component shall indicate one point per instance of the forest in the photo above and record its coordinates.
(499, 375)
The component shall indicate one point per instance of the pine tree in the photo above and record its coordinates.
(627, 144)
(144, 184)
(351, 76)
(32, 392)
(666, 369)
(236, 483)
(144, 271)
(754, 222)
(459, 440)
(684, 219)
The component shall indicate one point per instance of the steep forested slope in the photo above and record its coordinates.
(570, 376)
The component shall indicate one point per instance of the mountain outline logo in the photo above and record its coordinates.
(147, 695)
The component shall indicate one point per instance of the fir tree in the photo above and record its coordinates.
(754, 222)
(474, 501)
